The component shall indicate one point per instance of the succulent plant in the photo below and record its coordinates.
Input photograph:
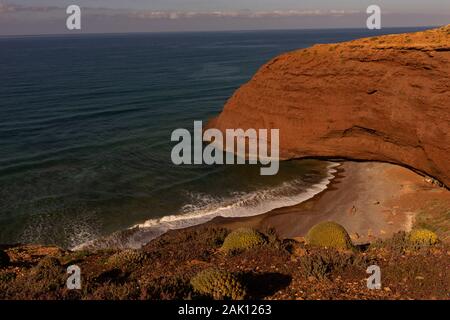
(126, 258)
(218, 284)
(329, 234)
(422, 238)
(242, 239)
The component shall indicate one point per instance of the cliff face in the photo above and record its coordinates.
(384, 98)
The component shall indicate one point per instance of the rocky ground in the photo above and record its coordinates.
(278, 269)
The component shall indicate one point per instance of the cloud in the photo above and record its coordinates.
(11, 8)
(5, 8)
(175, 15)
(33, 19)
(147, 14)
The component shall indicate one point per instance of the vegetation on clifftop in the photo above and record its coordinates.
(242, 239)
(329, 234)
(218, 284)
(190, 264)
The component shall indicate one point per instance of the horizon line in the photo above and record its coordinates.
(77, 33)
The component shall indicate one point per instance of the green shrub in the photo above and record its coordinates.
(126, 259)
(167, 288)
(422, 238)
(397, 244)
(329, 234)
(314, 266)
(242, 239)
(273, 239)
(4, 259)
(218, 284)
(321, 262)
(402, 241)
(210, 236)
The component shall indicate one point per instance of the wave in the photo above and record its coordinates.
(204, 208)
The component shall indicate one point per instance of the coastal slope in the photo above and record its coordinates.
(384, 99)
(371, 200)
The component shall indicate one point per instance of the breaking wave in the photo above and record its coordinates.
(203, 208)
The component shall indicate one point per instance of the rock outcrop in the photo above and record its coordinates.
(383, 98)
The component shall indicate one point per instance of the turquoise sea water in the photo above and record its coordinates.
(85, 124)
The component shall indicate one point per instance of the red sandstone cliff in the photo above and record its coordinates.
(383, 98)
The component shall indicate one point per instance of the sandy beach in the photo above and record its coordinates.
(112, 188)
(370, 199)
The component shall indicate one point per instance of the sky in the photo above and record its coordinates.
(21, 17)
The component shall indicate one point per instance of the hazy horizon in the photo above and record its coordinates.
(202, 31)
(25, 17)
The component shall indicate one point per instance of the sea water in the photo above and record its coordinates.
(85, 127)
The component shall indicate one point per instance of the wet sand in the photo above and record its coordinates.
(371, 200)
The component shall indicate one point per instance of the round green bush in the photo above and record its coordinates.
(126, 258)
(422, 238)
(242, 239)
(218, 284)
(4, 259)
(329, 234)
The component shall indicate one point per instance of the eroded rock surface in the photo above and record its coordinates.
(384, 98)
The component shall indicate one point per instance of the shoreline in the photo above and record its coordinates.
(141, 234)
(371, 200)
(271, 271)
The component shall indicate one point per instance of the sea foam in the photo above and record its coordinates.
(204, 208)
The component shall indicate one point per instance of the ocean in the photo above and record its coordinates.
(85, 126)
